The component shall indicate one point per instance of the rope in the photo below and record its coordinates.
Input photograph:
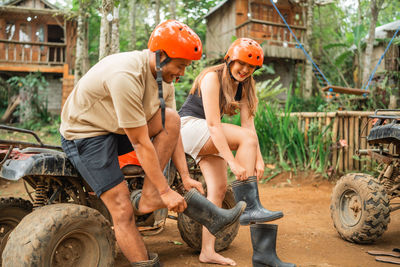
(299, 44)
(380, 60)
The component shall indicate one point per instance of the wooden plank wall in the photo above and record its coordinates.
(349, 131)
(67, 85)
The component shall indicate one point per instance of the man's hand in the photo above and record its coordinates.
(173, 201)
(189, 183)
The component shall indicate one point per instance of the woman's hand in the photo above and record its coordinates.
(238, 170)
(189, 183)
(259, 168)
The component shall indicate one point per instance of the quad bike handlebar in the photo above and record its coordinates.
(22, 144)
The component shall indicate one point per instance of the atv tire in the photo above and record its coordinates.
(360, 208)
(61, 235)
(191, 231)
(12, 210)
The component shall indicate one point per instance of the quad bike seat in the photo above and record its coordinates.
(385, 131)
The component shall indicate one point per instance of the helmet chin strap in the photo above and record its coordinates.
(159, 81)
(228, 64)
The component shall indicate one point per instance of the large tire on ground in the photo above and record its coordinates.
(191, 231)
(360, 208)
(61, 235)
(12, 211)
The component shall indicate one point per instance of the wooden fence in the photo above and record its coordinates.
(32, 52)
(349, 132)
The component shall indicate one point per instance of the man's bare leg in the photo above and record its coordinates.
(164, 141)
(128, 237)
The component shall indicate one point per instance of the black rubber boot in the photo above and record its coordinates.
(247, 191)
(153, 261)
(215, 219)
(263, 239)
(135, 198)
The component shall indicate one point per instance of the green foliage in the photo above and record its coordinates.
(34, 86)
(282, 141)
(269, 89)
(316, 103)
(48, 134)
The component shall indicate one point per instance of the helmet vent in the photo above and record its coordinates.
(196, 49)
(258, 57)
(180, 28)
(250, 55)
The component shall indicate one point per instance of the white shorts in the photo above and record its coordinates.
(195, 134)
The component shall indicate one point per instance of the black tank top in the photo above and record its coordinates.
(193, 105)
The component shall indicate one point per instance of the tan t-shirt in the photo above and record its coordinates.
(118, 92)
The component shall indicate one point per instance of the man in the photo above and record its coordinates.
(119, 103)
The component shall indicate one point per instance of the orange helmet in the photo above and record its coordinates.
(177, 40)
(246, 50)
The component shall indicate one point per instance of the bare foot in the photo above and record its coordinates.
(216, 259)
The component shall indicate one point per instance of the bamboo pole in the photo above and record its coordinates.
(363, 130)
(356, 139)
(368, 145)
(299, 119)
(320, 123)
(346, 137)
(334, 142)
(341, 152)
(341, 113)
(306, 130)
(351, 142)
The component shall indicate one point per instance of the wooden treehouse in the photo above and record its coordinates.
(37, 36)
(258, 19)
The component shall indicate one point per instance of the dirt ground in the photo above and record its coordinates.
(306, 235)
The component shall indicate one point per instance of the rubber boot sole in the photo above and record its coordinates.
(260, 220)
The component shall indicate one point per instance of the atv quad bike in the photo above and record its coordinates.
(361, 203)
(64, 223)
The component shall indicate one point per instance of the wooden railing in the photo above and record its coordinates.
(349, 132)
(32, 52)
(271, 32)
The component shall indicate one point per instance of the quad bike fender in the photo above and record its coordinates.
(49, 164)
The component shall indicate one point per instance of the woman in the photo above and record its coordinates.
(227, 88)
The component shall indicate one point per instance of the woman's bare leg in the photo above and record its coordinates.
(215, 174)
(241, 140)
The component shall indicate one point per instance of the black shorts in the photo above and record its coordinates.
(96, 159)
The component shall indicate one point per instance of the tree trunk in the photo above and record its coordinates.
(115, 32)
(132, 24)
(12, 105)
(81, 66)
(26, 110)
(309, 74)
(106, 28)
(172, 6)
(157, 18)
(375, 7)
(358, 70)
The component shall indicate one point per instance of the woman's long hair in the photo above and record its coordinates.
(227, 100)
